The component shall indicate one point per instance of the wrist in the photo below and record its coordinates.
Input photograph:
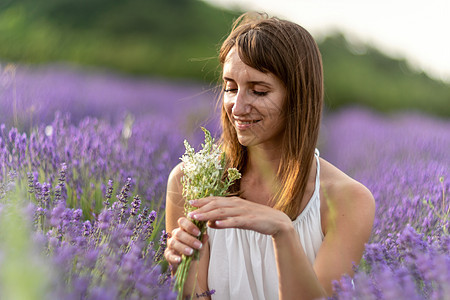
(285, 229)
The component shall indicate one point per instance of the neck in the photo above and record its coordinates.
(263, 162)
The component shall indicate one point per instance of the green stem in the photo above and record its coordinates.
(183, 268)
(181, 276)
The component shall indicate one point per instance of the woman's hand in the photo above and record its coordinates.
(235, 212)
(183, 240)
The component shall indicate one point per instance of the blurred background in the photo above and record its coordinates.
(112, 58)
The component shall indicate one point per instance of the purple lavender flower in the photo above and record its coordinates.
(56, 214)
(135, 205)
(123, 196)
(403, 161)
(104, 219)
(87, 228)
(109, 192)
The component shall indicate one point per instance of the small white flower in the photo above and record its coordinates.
(203, 171)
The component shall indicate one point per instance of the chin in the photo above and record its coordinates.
(247, 141)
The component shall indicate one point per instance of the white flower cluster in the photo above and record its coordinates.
(203, 171)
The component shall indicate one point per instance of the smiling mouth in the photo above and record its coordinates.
(246, 122)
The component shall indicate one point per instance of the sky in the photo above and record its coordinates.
(418, 31)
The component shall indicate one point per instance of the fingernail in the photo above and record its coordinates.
(188, 251)
(191, 202)
(178, 259)
(198, 244)
(190, 215)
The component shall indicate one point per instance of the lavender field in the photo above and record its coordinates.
(84, 159)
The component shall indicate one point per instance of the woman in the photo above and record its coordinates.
(296, 222)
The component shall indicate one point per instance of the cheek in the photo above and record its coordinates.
(272, 108)
(228, 106)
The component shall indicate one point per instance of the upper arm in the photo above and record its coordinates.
(350, 215)
(174, 198)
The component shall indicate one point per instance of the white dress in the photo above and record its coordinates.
(242, 262)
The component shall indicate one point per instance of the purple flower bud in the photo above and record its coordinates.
(135, 205)
(109, 192)
(152, 216)
(12, 135)
(77, 214)
(123, 196)
(56, 214)
(87, 227)
(30, 182)
(104, 219)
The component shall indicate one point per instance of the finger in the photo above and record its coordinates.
(210, 203)
(183, 242)
(204, 201)
(232, 222)
(188, 226)
(200, 202)
(217, 213)
(188, 240)
(174, 245)
(172, 258)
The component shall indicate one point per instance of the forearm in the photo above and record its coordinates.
(194, 283)
(296, 276)
(197, 279)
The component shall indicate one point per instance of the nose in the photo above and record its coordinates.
(241, 106)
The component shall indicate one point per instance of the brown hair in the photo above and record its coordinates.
(288, 51)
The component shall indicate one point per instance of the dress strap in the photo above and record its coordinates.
(314, 201)
(316, 155)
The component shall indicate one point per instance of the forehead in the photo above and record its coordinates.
(236, 69)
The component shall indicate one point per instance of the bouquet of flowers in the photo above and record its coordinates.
(203, 173)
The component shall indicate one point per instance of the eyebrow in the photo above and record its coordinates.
(255, 82)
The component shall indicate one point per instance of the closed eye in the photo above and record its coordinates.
(230, 90)
(259, 94)
(256, 93)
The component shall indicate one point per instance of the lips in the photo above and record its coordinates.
(244, 124)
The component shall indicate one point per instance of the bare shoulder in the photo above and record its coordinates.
(176, 174)
(345, 199)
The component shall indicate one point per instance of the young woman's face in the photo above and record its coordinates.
(253, 101)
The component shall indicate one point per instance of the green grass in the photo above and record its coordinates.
(23, 272)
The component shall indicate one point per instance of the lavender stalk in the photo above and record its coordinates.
(202, 178)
